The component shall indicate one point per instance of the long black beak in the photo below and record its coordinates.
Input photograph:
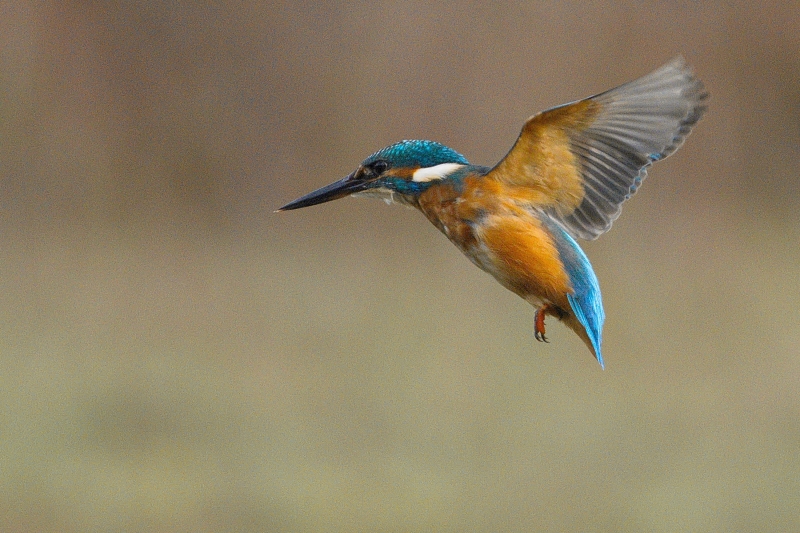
(334, 191)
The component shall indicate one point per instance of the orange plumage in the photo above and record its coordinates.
(565, 178)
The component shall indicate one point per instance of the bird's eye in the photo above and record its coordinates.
(379, 167)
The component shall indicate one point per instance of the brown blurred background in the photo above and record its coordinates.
(177, 357)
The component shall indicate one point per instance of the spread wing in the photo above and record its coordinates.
(581, 160)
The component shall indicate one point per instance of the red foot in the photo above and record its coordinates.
(538, 324)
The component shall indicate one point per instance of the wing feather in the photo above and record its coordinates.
(582, 160)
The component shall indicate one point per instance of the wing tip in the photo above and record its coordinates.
(697, 96)
(674, 91)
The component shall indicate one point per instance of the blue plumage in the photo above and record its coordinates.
(565, 178)
(417, 153)
(586, 301)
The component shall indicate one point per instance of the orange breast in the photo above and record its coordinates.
(526, 257)
(487, 222)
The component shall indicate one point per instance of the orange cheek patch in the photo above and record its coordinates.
(405, 173)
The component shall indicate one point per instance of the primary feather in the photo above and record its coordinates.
(587, 157)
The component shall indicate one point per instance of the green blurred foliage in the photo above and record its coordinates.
(177, 357)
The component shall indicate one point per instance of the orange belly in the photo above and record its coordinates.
(525, 257)
(501, 237)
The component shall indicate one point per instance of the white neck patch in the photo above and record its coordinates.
(436, 172)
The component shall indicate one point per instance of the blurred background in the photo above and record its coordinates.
(177, 357)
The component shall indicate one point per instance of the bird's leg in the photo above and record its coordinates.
(538, 326)
(538, 323)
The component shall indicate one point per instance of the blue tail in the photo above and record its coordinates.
(586, 302)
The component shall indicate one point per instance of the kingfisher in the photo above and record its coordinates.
(565, 179)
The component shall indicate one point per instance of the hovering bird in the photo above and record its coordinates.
(565, 178)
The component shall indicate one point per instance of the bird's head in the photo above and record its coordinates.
(399, 172)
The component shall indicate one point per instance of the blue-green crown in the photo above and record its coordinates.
(417, 154)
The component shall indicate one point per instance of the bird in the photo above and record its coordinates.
(564, 179)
